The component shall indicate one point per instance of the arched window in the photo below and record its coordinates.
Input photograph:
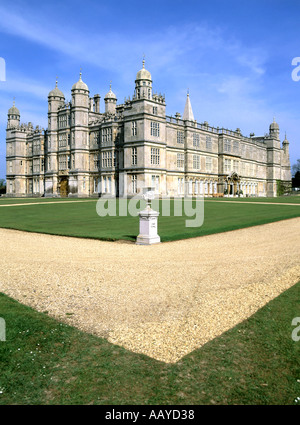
(201, 187)
(190, 187)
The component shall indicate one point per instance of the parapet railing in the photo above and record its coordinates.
(204, 126)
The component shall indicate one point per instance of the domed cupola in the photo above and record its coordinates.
(143, 84)
(56, 93)
(13, 117)
(110, 100)
(110, 94)
(14, 110)
(143, 74)
(80, 94)
(56, 99)
(80, 85)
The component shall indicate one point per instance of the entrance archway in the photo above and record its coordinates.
(233, 183)
(64, 187)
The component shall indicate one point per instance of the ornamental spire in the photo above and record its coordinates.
(188, 111)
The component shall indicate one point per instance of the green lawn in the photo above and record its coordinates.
(46, 362)
(81, 220)
(7, 201)
(294, 199)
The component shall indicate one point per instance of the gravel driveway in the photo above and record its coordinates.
(163, 300)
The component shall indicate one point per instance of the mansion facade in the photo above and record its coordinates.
(86, 153)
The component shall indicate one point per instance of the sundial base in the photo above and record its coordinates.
(148, 227)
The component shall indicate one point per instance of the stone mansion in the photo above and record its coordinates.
(85, 152)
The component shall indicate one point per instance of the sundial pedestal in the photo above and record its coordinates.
(148, 227)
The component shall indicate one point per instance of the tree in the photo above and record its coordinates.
(296, 168)
(296, 174)
(2, 187)
(283, 188)
(296, 179)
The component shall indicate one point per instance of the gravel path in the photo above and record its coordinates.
(163, 300)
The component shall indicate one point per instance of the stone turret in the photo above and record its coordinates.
(80, 111)
(13, 117)
(274, 130)
(110, 100)
(286, 174)
(79, 184)
(80, 93)
(285, 146)
(143, 84)
(56, 99)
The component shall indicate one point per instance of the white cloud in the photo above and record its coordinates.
(225, 77)
(188, 48)
(20, 84)
(253, 61)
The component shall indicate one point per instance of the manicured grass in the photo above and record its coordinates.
(46, 362)
(7, 201)
(80, 219)
(294, 199)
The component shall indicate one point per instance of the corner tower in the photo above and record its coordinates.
(273, 159)
(16, 139)
(56, 99)
(80, 114)
(79, 174)
(144, 150)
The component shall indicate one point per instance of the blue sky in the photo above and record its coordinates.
(235, 57)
